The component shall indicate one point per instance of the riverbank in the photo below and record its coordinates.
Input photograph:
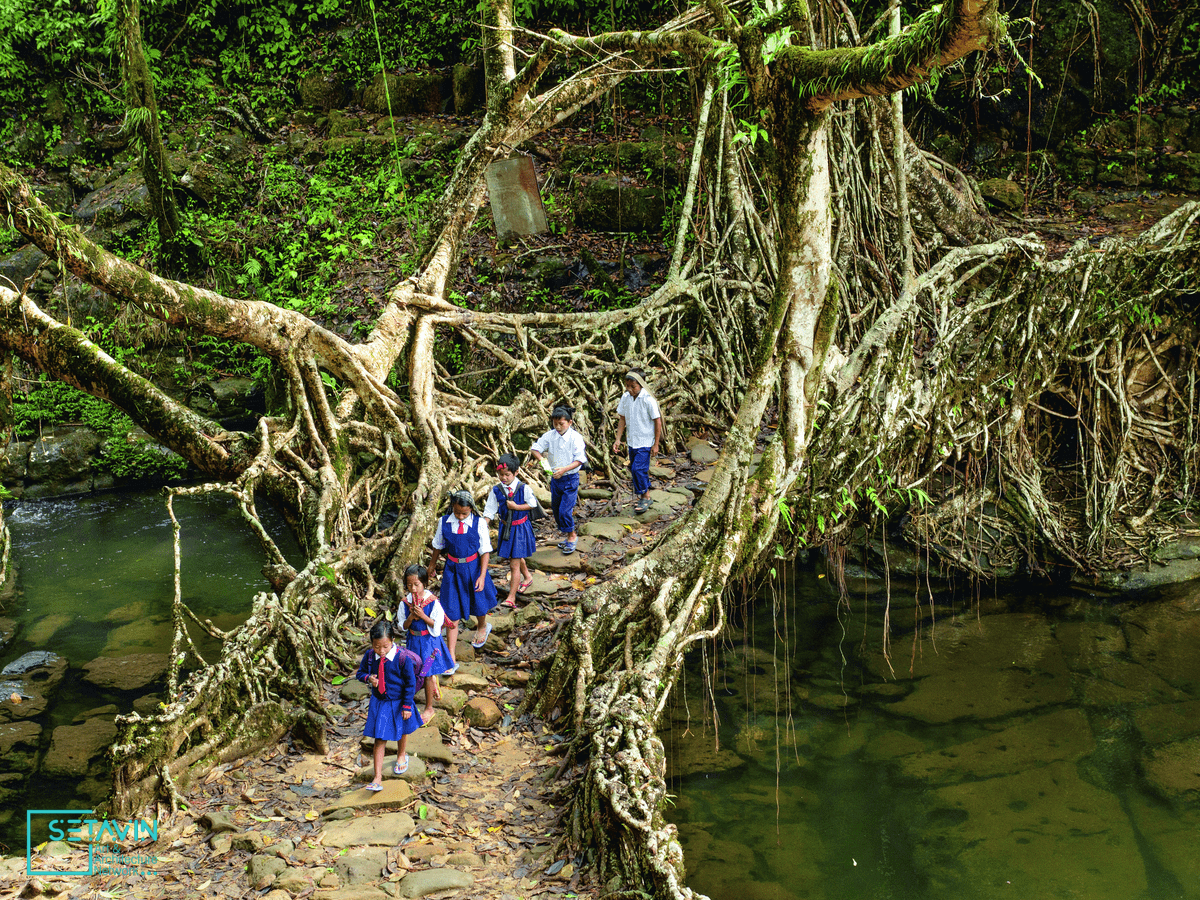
(478, 809)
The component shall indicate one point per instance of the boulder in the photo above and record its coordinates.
(263, 869)
(361, 865)
(322, 90)
(431, 881)
(19, 745)
(32, 662)
(468, 88)
(412, 92)
(73, 747)
(482, 712)
(609, 204)
(125, 199)
(63, 456)
(126, 673)
(211, 184)
(703, 455)
(20, 264)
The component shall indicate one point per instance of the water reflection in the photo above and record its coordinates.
(1021, 746)
(94, 580)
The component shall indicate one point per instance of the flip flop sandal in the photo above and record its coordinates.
(524, 586)
(511, 604)
(398, 769)
(374, 786)
(486, 634)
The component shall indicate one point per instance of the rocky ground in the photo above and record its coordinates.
(476, 814)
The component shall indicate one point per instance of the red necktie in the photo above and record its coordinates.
(461, 527)
(382, 686)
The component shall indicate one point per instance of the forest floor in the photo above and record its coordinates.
(478, 813)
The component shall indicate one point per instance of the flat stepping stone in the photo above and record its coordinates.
(604, 528)
(385, 830)
(587, 544)
(703, 454)
(396, 792)
(705, 476)
(667, 497)
(417, 770)
(541, 587)
(430, 881)
(662, 472)
(551, 559)
(595, 494)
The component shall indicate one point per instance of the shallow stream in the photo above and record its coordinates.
(94, 579)
(1020, 745)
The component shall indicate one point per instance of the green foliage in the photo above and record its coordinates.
(54, 403)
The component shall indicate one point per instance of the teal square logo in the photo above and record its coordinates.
(63, 821)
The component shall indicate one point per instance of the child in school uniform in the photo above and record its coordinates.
(388, 669)
(422, 618)
(566, 453)
(509, 502)
(638, 413)
(467, 588)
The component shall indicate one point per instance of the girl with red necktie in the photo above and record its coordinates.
(388, 669)
(466, 589)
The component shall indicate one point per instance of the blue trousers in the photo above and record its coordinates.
(639, 465)
(563, 494)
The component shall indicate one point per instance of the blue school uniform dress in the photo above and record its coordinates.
(562, 450)
(520, 541)
(428, 643)
(462, 551)
(385, 720)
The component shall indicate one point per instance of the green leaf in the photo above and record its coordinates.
(422, 811)
(337, 679)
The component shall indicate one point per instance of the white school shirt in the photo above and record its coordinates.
(640, 413)
(437, 614)
(563, 449)
(492, 507)
(485, 540)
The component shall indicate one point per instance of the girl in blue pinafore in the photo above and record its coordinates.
(422, 618)
(388, 669)
(467, 588)
(509, 503)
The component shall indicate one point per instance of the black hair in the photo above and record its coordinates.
(462, 498)
(510, 462)
(420, 571)
(381, 629)
(562, 411)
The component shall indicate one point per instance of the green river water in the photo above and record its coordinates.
(94, 577)
(1021, 745)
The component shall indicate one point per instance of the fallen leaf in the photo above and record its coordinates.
(15, 697)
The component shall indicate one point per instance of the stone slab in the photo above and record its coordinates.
(551, 559)
(126, 673)
(386, 830)
(396, 792)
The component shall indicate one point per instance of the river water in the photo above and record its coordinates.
(94, 578)
(1015, 745)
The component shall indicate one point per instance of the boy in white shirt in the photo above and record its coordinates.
(566, 453)
(638, 413)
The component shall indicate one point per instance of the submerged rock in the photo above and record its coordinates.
(74, 747)
(36, 659)
(126, 673)
(1025, 825)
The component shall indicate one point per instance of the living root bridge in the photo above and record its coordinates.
(1011, 329)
